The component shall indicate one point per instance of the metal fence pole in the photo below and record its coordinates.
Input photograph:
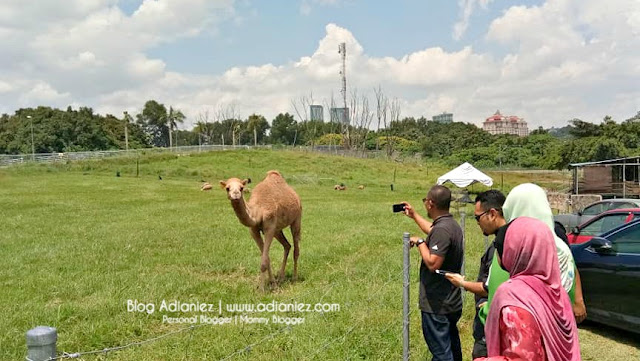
(463, 215)
(41, 343)
(405, 295)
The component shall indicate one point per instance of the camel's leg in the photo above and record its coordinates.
(295, 231)
(255, 233)
(265, 266)
(287, 246)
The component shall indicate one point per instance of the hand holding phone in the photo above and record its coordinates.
(398, 207)
(453, 277)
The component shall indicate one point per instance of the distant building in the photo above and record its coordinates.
(317, 112)
(340, 115)
(445, 118)
(500, 124)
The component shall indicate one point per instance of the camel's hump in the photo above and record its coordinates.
(274, 172)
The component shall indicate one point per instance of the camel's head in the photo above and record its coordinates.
(234, 187)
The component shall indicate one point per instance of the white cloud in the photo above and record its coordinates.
(43, 93)
(5, 87)
(466, 10)
(564, 60)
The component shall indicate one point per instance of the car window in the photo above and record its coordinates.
(627, 241)
(603, 224)
(594, 209)
(618, 205)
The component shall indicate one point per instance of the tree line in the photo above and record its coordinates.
(49, 130)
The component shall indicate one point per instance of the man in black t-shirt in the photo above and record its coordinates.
(488, 214)
(440, 301)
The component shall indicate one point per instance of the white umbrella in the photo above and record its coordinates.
(464, 175)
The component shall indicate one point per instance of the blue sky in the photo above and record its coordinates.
(547, 61)
(279, 33)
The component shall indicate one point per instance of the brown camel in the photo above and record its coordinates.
(273, 206)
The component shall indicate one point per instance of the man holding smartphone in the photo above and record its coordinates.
(440, 301)
(488, 215)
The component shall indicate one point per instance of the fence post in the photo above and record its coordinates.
(463, 216)
(405, 295)
(41, 343)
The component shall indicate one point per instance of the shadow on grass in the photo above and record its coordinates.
(618, 335)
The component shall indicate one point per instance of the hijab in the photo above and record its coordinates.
(529, 200)
(529, 255)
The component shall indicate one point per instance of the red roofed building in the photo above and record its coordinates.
(500, 124)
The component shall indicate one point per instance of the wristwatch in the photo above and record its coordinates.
(419, 241)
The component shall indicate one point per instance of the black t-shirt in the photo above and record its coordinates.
(483, 275)
(437, 294)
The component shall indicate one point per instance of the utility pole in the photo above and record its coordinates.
(342, 49)
(126, 131)
(33, 147)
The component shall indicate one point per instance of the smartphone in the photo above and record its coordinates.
(398, 207)
(441, 272)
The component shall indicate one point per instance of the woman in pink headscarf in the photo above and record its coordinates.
(531, 316)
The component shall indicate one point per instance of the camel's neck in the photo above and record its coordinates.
(243, 213)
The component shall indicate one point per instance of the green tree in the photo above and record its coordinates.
(153, 121)
(257, 125)
(174, 117)
(283, 129)
(582, 129)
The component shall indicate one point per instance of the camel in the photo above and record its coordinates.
(273, 206)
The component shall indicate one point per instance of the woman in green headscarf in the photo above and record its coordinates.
(529, 200)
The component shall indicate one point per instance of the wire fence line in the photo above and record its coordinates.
(392, 277)
(246, 349)
(59, 157)
(11, 159)
(106, 351)
(67, 355)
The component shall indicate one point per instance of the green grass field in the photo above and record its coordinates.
(77, 243)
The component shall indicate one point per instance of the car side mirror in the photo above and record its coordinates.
(580, 213)
(575, 230)
(601, 245)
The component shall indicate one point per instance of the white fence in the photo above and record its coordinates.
(6, 160)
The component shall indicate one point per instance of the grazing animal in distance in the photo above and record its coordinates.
(206, 186)
(272, 207)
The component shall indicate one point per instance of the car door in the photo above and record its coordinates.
(597, 271)
(624, 304)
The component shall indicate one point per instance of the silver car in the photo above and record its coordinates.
(571, 220)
